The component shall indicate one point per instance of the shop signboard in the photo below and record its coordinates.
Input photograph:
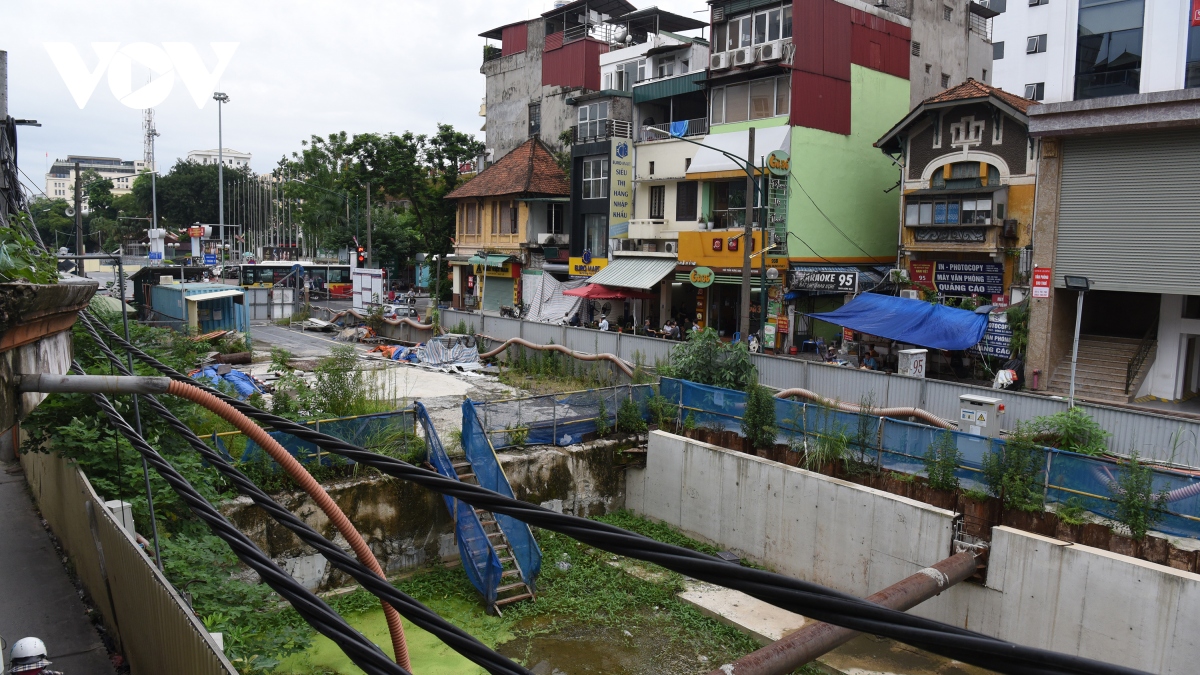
(821, 280)
(920, 272)
(1042, 277)
(779, 162)
(586, 265)
(210, 258)
(769, 336)
(702, 277)
(997, 340)
(620, 199)
(969, 278)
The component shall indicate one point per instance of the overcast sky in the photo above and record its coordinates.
(299, 68)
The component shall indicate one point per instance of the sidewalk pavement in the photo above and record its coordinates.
(37, 599)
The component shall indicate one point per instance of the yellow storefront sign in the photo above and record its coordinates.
(722, 250)
(579, 268)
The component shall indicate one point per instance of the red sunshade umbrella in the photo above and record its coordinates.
(600, 292)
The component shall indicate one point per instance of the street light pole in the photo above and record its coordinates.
(751, 187)
(1080, 285)
(221, 99)
(748, 232)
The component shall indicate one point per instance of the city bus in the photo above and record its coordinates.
(328, 280)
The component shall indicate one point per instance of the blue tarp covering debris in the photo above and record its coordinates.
(242, 383)
(913, 322)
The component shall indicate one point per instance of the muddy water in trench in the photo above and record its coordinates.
(591, 650)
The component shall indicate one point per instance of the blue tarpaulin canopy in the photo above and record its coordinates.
(913, 322)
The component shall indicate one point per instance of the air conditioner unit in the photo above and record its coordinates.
(671, 247)
(911, 294)
(719, 61)
(771, 51)
(744, 56)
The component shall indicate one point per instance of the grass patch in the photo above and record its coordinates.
(586, 592)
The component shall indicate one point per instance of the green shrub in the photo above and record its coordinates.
(517, 435)
(629, 417)
(1011, 474)
(941, 461)
(758, 422)
(1072, 429)
(602, 422)
(1072, 512)
(661, 409)
(1139, 507)
(829, 445)
(705, 359)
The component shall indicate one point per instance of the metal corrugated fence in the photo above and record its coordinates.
(1158, 437)
(155, 630)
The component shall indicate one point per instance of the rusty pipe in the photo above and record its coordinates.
(582, 356)
(309, 485)
(854, 407)
(815, 639)
(394, 322)
(105, 384)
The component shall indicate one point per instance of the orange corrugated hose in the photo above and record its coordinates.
(309, 485)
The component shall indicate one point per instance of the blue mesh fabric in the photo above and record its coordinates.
(489, 474)
(357, 430)
(478, 557)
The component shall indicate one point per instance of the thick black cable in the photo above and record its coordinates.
(461, 641)
(809, 599)
(320, 616)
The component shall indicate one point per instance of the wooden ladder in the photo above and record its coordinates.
(512, 586)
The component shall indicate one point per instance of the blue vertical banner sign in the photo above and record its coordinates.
(620, 196)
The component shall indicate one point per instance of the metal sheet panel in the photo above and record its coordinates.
(154, 628)
(820, 102)
(514, 39)
(640, 273)
(672, 86)
(1129, 212)
(837, 40)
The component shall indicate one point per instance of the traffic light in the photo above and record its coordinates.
(362, 255)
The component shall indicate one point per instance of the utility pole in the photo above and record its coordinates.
(221, 99)
(370, 255)
(79, 222)
(747, 241)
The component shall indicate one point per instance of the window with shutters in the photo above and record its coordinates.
(658, 201)
(554, 218)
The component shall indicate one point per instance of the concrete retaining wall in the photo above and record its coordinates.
(408, 526)
(1040, 592)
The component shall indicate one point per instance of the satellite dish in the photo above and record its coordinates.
(70, 212)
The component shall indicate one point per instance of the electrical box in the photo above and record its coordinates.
(980, 415)
(912, 362)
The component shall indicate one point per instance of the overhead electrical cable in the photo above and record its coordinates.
(805, 598)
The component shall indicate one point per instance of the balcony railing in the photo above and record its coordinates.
(602, 130)
(659, 132)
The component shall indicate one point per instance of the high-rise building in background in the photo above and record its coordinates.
(60, 180)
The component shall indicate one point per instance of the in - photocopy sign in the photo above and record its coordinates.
(969, 278)
(997, 341)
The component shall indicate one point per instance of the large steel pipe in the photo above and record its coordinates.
(791, 652)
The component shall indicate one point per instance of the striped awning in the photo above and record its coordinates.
(641, 273)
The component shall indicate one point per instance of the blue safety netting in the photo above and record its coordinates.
(557, 419)
(901, 446)
(913, 322)
(487, 470)
(478, 556)
(367, 431)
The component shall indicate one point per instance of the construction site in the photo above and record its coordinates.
(477, 494)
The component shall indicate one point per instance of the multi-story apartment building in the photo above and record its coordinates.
(233, 158)
(60, 180)
(1070, 50)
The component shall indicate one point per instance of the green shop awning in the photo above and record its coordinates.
(671, 86)
(640, 273)
(491, 261)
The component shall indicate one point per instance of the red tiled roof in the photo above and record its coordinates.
(528, 169)
(973, 88)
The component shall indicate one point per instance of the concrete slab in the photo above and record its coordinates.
(761, 621)
(871, 655)
(38, 598)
